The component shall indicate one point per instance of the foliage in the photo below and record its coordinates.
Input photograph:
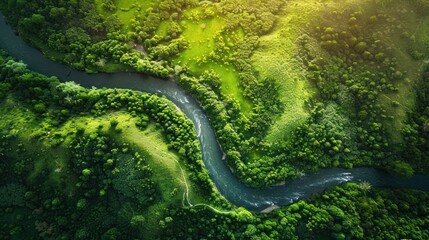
(132, 179)
(111, 192)
(91, 172)
(12, 194)
(357, 74)
(416, 131)
(344, 212)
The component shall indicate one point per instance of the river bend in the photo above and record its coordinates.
(227, 184)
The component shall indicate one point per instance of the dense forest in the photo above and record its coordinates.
(357, 106)
(289, 87)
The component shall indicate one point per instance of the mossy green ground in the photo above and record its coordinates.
(53, 158)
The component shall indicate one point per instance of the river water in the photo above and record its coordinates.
(227, 184)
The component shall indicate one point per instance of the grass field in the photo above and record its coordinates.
(200, 35)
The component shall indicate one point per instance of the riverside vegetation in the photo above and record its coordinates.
(105, 163)
(289, 86)
(73, 156)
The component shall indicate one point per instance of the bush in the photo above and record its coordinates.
(40, 108)
(400, 169)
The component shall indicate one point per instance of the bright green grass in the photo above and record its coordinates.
(200, 36)
(163, 29)
(276, 59)
(230, 81)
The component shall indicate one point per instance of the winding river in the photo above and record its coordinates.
(227, 184)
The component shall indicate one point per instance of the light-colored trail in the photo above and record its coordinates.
(188, 200)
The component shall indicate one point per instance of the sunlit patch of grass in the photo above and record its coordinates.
(162, 30)
(200, 35)
(276, 58)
